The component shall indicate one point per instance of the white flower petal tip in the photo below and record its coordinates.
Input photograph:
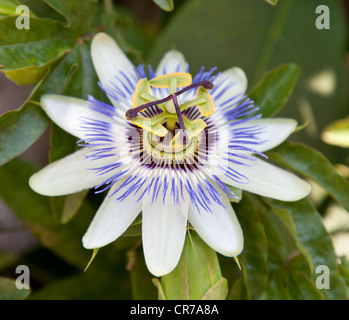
(270, 181)
(111, 220)
(238, 75)
(234, 78)
(109, 61)
(68, 113)
(220, 229)
(163, 233)
(273, 131)
(173, 61)
(68, 175)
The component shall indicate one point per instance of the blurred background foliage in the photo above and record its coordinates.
(284, 242)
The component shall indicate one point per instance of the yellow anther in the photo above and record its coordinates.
(206, 108)
(183, 80)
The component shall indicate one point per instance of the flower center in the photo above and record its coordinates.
(171, 120)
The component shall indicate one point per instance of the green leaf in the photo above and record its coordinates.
(8, 7)
(79, 14)
(19, 129)
(74, 76)
(27, 54)
(239, 291)
(8, 290)
(166, 5)
(197, 274)
(291, 285)
(272, 2)
(254, 255)
(87, 286)
(286, 219)
(315, 166)
(16, 193)
(337, 133)
(141, 280)
(276, 86)
(316, 240)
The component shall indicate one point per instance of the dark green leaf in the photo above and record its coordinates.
(27, 54)
(87, 286)
(74, 76)
(16, 193)
(141, 280)
(8, 290)
(315, 239)
(19, 129)
(315, 166)
(276, 86)
(254, 256)
(79, 14)
(166, 5)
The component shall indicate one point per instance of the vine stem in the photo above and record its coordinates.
(108, 6)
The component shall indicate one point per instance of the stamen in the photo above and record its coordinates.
(206, 84)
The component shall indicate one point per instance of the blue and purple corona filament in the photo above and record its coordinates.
(171, 146)
(150, 172)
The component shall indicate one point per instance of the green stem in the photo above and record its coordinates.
(275, 32)
(108, 6)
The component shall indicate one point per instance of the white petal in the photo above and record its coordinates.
(220, 229)
(232, 82)
(270, 181)
(112, 219)
(163, 232)
(68, 113)
(274, 131)
(69, 175)
(109, 61)
(172, 62)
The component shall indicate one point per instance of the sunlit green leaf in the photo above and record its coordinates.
(272, 2)
(337, 133)
(27, 53)
(166, 5)
(8, 7)
(197, 273)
